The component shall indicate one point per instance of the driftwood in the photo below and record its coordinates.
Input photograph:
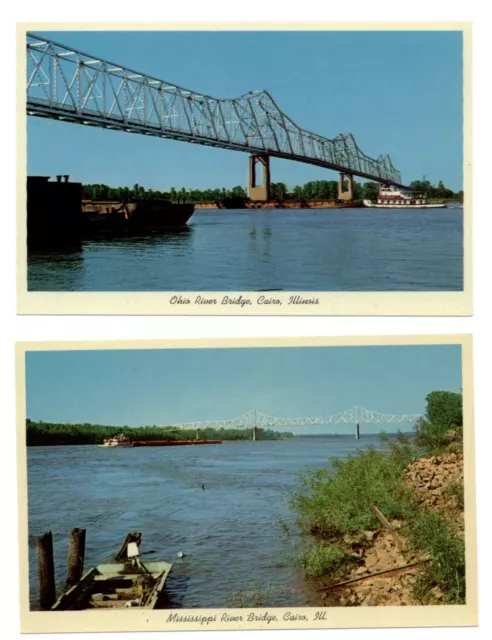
(399, 541)
(386, 572)
(134, 536)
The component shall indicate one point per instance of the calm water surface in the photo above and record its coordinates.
(230, 532)
(257, 250)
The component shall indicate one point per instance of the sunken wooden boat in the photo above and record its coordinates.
(120, 584)
(116, 586)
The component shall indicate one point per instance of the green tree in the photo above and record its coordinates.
(443, 421)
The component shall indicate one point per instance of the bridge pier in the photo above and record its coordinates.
(357, 431)
(255, 434)
(259, 192)
(349, 194)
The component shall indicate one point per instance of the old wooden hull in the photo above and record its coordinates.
(116, 586)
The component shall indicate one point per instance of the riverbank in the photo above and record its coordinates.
(284, 204)
(59, 434)
(387, 527)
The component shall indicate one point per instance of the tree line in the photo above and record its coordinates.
(49, 433)
(280, 192)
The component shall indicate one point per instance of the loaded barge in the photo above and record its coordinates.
(57, 215)
(120, 440)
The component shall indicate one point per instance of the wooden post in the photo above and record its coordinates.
(46, 571)
(400, 543)
(76, 553)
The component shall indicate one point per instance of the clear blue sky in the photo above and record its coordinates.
(147, 387)
(397, 92)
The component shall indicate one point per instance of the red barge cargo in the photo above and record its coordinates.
(170, 443)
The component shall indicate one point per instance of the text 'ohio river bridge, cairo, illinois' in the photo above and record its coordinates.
(354, 416)
(66, 84)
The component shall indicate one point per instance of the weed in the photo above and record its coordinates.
(339, 502)
(324, 559)
(455, 490)
(429, 533)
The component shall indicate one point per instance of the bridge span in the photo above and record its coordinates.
(68, 85)
(255, 419)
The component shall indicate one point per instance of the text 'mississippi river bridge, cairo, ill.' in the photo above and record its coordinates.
(69, 85)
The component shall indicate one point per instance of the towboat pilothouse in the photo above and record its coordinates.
(391, 198)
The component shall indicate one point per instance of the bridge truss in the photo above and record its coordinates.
(66, 84)
(354, 416)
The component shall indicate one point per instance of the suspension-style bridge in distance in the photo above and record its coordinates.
(68, 85)
(254, 420)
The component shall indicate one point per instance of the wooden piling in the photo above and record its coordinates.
(76, 554)
(46, 571)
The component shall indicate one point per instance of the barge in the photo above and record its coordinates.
(134, 218)
(120, 440)
(57, 214)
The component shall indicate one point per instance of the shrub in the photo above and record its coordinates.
(429, 533)
(336, 502)
(322, 559)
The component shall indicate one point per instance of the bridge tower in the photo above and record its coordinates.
(357, 431)
(259, 192)
(349, 194)
(255, 427)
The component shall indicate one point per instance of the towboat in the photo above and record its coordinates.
(118, 585)
(390, 197)
(119, 440)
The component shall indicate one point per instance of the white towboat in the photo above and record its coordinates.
(119, 440)
(392, 198)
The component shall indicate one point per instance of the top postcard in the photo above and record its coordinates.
(350, 194)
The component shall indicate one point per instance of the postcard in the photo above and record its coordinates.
(296, 169)
(246, 484)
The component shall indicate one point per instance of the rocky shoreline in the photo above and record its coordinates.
(436, 485)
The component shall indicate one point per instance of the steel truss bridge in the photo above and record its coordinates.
(354, 416)
(66, 84)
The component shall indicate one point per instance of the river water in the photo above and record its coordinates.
(260, 249)
(232, 532)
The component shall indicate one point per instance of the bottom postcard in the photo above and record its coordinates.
(246, 484)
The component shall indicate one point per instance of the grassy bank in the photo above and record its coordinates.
(48, 433)
(413, 483)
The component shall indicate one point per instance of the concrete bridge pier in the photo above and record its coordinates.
(255, 434)
(357, 431)
(347, 195)
(259, 192)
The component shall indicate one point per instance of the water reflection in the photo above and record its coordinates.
(253, 249)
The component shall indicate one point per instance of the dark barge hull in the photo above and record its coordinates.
(57, 216)
(135, 218)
